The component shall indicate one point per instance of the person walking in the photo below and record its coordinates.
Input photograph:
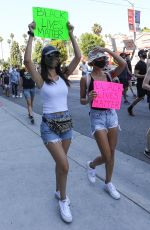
(56, 126)
(146, 86)
(139, 71)
(104, 122)
(123, 78)
(14, 78)
(6, 83)
(28, 87)
(84, 68)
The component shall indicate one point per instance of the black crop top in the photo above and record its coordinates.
(91, 87)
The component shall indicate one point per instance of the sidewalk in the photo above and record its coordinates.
(27, 182)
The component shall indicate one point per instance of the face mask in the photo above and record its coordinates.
(100, 64)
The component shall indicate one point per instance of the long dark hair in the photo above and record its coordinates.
(44, 72)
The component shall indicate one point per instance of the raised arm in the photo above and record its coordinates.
(73, 64)
(121, 63)
(27, 58)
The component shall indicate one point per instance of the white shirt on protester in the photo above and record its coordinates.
(54, 96)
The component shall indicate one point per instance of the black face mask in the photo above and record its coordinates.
(100, 64)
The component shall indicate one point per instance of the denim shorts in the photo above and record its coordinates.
(48, 135)
(29, 93)
(103, 119)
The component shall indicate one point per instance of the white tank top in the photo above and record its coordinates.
(54, 96)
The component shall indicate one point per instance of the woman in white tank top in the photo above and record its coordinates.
(54, 90)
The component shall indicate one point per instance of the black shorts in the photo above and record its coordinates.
(140, 91)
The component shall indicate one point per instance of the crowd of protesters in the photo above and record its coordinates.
(10, 82)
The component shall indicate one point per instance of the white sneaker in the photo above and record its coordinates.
(110, 188)
(13, 96)
(65, 211)
(57, 195)
(91, 173)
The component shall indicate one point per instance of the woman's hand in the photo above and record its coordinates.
(70, 28)
(32, 26)
(92, 95)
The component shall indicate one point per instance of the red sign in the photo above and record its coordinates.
(131, 19)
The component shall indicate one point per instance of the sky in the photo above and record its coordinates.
(110, 14)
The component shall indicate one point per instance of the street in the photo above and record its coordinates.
(132, 137)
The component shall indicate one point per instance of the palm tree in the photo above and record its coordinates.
(97, 29)
(25, 38)
(12, 37)
(1, 39)
(9, 41)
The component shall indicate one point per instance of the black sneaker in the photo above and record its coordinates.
(147, 153)
(32, 119)
(130, 112)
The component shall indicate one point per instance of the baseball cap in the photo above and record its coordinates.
(141, 52)
(49, 49)
(94, 54)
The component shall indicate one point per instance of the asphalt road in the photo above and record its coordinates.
(132, 137)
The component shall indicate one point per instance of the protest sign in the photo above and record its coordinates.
(50, 23)
(109, 95)
(129, 44)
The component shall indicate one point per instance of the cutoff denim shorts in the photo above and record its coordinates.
(29, 93)
(48, 135)
(103, 119)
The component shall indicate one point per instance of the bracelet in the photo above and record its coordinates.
(31, 33)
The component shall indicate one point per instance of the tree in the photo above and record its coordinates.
(12, 37)
(25, 38)
(96, 29)
(37, 52)
(6, 65)
(1, 40)
(15, 55)
(88, 41)
(9, 42)
(146, 29)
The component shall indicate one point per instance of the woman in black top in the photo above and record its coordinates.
(28, 86)
(104, 122)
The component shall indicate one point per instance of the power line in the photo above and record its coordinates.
(118, 4)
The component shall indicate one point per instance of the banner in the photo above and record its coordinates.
(50, 23)
(109, 95)
(137, 16)
(137, 20)
(131, 20)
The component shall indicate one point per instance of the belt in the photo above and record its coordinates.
(57, 113)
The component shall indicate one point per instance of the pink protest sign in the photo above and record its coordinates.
(109, 95)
